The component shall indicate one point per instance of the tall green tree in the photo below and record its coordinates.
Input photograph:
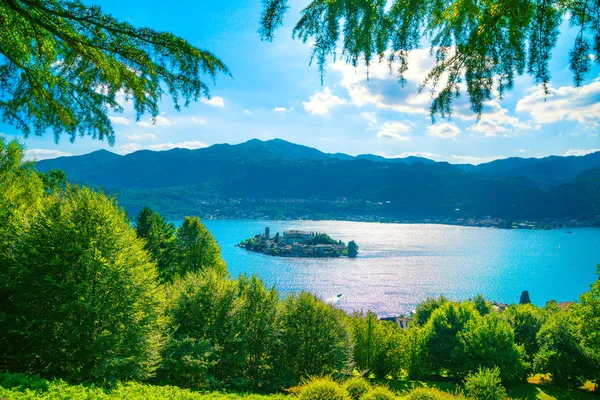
(588, 313)
(86, 301)
(64, 65)
(204, 347)
(483, 44)
(198, 249)
(563, 353)
(315, 338)
(256, 314)
(160, 241)
(526, 321)
(426, 308)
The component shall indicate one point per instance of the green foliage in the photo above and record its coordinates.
(526, 321)
(256, 313)
(321, 238)
(488, 342)
(54, 180)
(314, 338)
(65, 64)
(425, 393)
(84, 300)
(379, 393)
(442, 339)
(24, 387)
(201, 352)
(378, 345)
(323, 389)
(161, 242)
(562, 353)
(482, 306)
(352, 249)
(198, 250)
(357, 387)
(426, 308)
(588, 317)
(481, 45)
(485, 384)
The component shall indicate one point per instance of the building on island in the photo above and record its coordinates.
(295, 236)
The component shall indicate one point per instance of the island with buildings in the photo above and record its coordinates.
(295, 243)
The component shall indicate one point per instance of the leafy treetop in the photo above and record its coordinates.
(64, 65)
(485, 43)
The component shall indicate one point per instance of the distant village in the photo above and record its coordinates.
(295, 243)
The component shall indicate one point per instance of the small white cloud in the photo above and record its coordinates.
(141, 136)
(424, 154)
(474, 159)
(444, 131)
(580, 152)
(523, 151)
(158, 121)
(43, 154)
(128, 148)
(393, 130)
(282, 109)
(198, 120)
(117, 120)
(321, 102)
(182, 145)
(247, 112)
(214, 101)
(370, 117)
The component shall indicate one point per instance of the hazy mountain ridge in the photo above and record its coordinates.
(277, 170)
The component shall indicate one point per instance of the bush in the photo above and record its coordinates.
(323, 389)
(424, 393)
(485, 385)
(357, 387)
(379, 393)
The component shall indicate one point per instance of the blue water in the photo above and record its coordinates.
(400, 265)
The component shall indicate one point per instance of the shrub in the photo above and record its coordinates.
(357, 387)
(323, 389)
(424, 393)
(379, 393)
(485, 385)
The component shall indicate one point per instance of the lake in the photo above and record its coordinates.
(399, 265)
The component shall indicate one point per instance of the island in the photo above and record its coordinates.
(295, 243)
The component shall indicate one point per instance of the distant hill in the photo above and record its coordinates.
(278, 172)
(547, 171)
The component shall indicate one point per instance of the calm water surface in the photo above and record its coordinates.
(400, 265)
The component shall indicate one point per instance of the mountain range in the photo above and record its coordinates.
(285, 174)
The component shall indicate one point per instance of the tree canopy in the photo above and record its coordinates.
(483, 43)
(64, 65)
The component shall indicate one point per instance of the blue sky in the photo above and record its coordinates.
(274, 93)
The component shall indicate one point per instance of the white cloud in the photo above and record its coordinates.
(424, 154)
(321, 102)
(580, 152)
(444, 131)
(141, 136)
(247, 112)
(198, 120)
(183, 145)
(282, 109)
(567, 102)
(129, 148)
(214, 101)
(495, 120)
(393, 130)
(117, 120)
(43, 154)
(523, 150)
(474, 159)
(158, 121)
(370, 117)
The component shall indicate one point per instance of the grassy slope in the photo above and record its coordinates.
(21, 387)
